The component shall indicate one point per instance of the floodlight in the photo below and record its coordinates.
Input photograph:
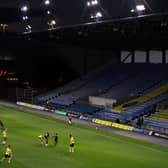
(48, 12)
(24, 8)
(99, 15)
(47, 2)
(132, 10)
(29, 27)
(140, 8)
(94, 2)
(91, 16)
(88, 3)
(53, 22)
(25, 18)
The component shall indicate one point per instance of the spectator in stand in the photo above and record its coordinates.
(139, 123)
(142, 121)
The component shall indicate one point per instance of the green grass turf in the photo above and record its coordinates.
(94, 148)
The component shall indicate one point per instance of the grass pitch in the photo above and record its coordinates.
(93, 148)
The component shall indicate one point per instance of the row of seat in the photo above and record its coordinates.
(115, 81)
(161, 116)
(142, 99)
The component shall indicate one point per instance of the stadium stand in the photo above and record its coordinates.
(123, 80)
(148, 84)
(133, 113)
(149, 77)
(156, 126)
(82, 108)
(142, 99)
(161, 116)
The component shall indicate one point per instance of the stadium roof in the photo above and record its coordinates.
(70, 12)
(147, 31)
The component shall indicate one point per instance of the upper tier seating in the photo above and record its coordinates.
(116, 81)
(161, 116)
(142, 99)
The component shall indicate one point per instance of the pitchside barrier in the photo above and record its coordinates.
(30, 105)
(60, 112)
(90, 119)
(97, 121)
(113, 124)
(86, 118)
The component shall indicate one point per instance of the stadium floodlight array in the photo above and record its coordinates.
(50, 21)
(132, 10)
(3, 27)
(29, 28)
(51, 24)
(47, 2)
(48, 12)
(92, 3)
(25, 17)
(97, 15)
(138, 8)
(24, 8)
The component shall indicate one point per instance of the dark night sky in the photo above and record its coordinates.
(68, 12)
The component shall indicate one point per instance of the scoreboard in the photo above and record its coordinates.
(3, 73)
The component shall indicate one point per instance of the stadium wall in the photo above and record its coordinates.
(83, 59)
(100, 101)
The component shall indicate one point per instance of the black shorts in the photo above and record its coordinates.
(46, 137)
(7, 156)
(72, 145)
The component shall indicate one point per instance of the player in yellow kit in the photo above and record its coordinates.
(4, 135)
(8, 154)
(71, 143)
(41, 139)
